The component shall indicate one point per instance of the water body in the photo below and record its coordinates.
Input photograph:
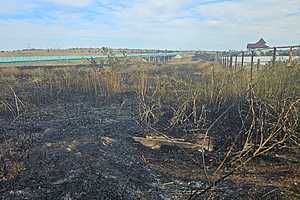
(16, 59)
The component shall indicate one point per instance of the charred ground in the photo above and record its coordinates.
(69, 136)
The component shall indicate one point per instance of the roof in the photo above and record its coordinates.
(260, 44)
(178, 56)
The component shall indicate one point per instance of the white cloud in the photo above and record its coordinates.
(154, 10)
(250, 10)
(76, 3)
(14, 6)
(185, 24)
(276, 20)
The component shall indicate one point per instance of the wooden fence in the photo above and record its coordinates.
(238, 58)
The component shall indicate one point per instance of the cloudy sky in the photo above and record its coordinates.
(172, 24)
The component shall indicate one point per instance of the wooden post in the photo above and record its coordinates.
(228, 61)
(258, 64)
(274, 56)
(236, 61)
(243, 55)
(231, 61)
(251, 70)
(290, 62)
(252, 58)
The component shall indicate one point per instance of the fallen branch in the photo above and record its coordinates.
(156, 142)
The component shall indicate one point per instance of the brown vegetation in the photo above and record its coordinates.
(251, 115)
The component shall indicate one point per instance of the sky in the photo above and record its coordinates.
(158, 24)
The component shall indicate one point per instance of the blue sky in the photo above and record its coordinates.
(171, 24)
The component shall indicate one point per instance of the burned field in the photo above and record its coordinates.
(186, 131)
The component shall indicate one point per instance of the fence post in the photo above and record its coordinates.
(223, 60)
(236, 62)
(258, 64)
(227, 61)
(274, 56)
(290, 62)
(243, 55)
(251, 70)
(230, 61)
(252, 58)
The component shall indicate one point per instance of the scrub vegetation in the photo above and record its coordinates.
(250, 118)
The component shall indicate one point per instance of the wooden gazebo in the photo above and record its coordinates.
(258, 45)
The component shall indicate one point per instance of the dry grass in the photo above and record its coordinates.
(250, 114)
(20, 90)
(9, 71)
